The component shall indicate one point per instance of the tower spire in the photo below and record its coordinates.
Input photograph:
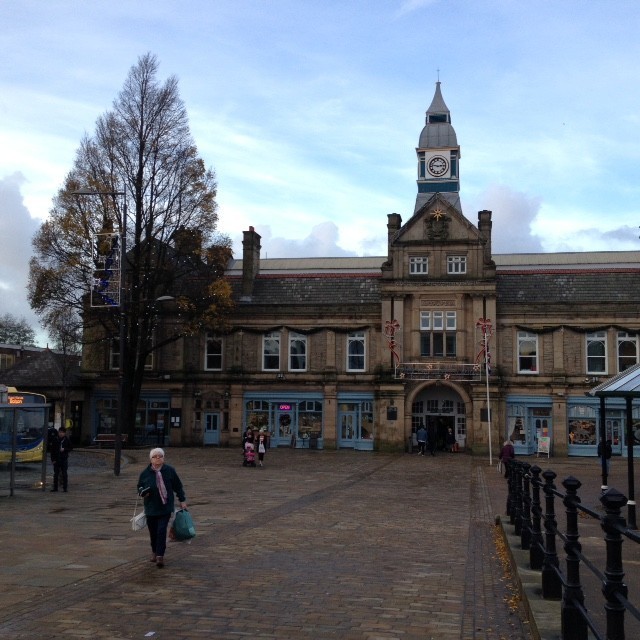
(438, 155)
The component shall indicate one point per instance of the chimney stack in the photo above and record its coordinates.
(250, 260)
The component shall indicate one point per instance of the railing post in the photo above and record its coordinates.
(613, 585)
(573, 625)
(525, 517)
(551, 583)
(510, 489)
(517, 512)
(536, 551)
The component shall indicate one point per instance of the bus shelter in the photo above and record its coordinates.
(23, 429)
(625, 385)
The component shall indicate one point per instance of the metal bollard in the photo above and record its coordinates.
(612, 585)
(510, 489)
(573, 625)
(551, 583)
(517, 504)
(525, 516)
(536, 551)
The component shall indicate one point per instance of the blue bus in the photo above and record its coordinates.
(28, 414)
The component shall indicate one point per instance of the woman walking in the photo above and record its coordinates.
(157, 484)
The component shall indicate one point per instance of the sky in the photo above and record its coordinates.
(309, 111)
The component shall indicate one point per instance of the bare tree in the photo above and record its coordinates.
(141, 163)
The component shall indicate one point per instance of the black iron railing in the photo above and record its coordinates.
(536, 524)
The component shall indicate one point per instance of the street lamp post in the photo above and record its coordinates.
(117, 456)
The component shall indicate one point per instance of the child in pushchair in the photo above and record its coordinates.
(249, 455)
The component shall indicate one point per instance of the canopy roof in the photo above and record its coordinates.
(624, 385)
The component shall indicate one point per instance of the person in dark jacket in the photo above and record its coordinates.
(507, 453)
(421, 436)
(60, 458)
(157, 484)
(608, 450)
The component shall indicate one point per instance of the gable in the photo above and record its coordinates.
(438, 221)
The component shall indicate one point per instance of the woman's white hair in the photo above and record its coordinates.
(155, 451)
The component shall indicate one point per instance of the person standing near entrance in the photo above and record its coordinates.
(60, 458)
(450, 440)
(606, 453)
(422, 440)
(432, 438)
(507, 453)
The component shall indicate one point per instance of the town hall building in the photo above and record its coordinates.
(358, 352)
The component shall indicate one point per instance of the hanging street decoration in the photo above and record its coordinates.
(105, 291)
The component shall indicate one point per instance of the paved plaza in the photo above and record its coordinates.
(317, 544)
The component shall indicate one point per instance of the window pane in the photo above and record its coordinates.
(213, 355)
(297, 352)
(418, 265)
(271, 352)
(355, 351)
(425, 344)
(451, 344)
(438, 344)
(527, 352)
(597, 352)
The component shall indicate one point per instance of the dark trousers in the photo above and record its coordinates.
(157, 526)
(60, 467)
(422, 446)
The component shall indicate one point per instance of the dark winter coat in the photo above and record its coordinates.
(148, 489)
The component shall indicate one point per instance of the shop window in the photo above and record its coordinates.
(583, 425)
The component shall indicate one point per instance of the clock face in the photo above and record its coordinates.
(438, 165)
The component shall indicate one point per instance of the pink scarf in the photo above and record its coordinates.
(161, 488)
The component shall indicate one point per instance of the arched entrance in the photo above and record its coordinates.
(440, 407)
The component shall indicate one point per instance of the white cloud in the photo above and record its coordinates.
(15, 248)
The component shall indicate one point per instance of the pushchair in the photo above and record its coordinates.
(249, 455)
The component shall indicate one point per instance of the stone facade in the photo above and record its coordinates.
(358, 352)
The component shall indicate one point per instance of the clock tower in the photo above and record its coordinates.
(438, 156)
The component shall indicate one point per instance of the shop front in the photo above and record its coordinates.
(529, 419)
(152, 421)
(291, 419)
(355, 421)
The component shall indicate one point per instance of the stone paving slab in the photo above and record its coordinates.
(318, 544)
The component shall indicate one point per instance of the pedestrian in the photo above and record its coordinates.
(507, 452)
(607, 454)
(247, 437)
(432, 439)
(422, 440)
(262, 448)
(60, 458)
(450, 440)
(157, 484)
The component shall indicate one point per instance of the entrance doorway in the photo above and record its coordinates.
(285, 425)
(440, 408)
(440, 425)
(211, 428)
